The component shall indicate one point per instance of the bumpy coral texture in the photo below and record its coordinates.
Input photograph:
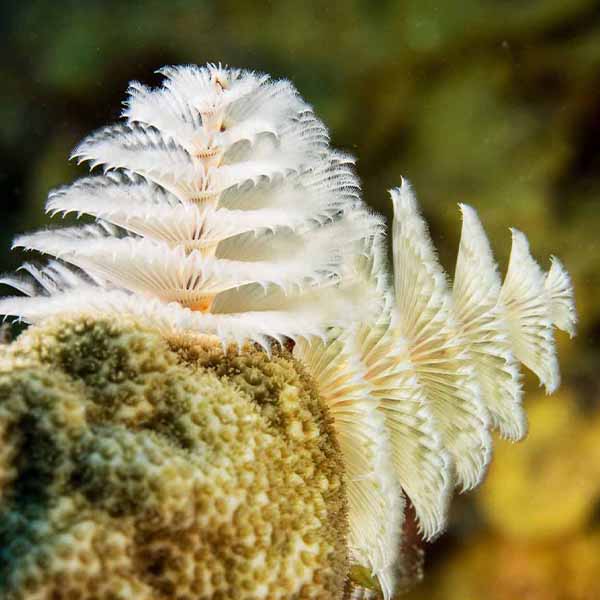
(134, 469)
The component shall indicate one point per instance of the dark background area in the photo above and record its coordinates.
(495, 103)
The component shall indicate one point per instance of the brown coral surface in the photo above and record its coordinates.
(131, 468)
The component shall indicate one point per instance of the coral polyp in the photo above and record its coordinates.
(232, 241)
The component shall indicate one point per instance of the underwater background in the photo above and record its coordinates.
(495, 103)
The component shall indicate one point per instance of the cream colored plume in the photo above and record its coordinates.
(375, 502)
(528, 313)
(475, 294)
(420, 462)
(562, 301)
(439, 363)
(223, 211)
(465, 342)
(440, 354)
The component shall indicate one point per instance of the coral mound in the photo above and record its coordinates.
(134, 469)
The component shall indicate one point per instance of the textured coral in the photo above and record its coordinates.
(131, 469)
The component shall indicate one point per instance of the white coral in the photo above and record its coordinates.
(223, 211)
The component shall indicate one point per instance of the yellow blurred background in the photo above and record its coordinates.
(495, 103)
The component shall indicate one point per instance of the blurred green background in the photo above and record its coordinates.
(491, 102)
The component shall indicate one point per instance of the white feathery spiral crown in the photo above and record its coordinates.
(223, 211)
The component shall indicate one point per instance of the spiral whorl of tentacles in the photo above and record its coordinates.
(223, 211)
